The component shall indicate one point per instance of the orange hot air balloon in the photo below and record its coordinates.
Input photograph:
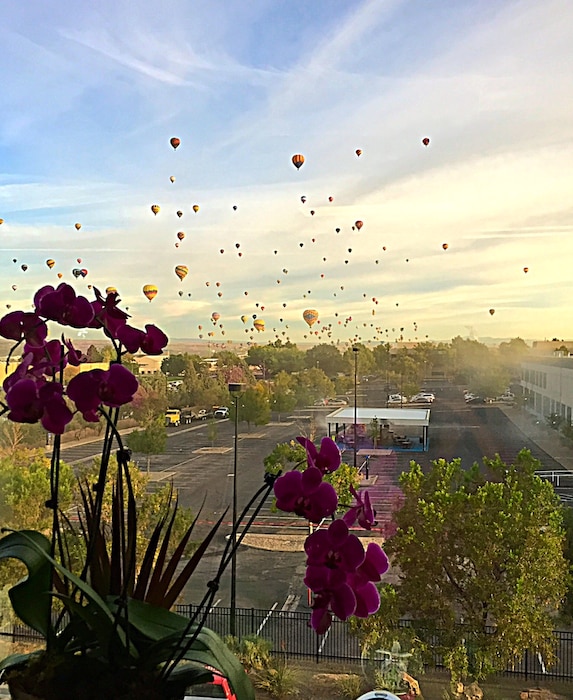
(175, 142)
(297, 160)
(359, 224)
(195, 208)
(110, 290)
(1, 221)
(491, 312)
(259, 324)
(244, 318)
(426, 141)
(310, 316)
(526, 269)
(50, 263)
(445, 246)
(155, 208)
(180, 235)
(181, 271)
(78, 226)
(60, 275)
(358, 152)
(150, 291)
(215, 316)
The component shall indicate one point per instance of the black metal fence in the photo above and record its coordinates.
(290, 634)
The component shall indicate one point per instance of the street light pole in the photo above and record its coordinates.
(355, 351)
(234, 390)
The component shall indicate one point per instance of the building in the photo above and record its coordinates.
(548, 386)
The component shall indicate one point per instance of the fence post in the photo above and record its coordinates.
(252, 621)
(317, 648)
(527, 664)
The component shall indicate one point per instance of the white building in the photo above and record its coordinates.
(548, 386)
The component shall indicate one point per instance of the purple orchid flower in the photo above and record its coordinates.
(361, 512)
(32, 399)
(23, 325)
(327, 459)
(305, 494)
(64, 306)
(113, 387)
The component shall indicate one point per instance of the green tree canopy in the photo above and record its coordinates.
(327, 358)
(152, 440)
(482, 553)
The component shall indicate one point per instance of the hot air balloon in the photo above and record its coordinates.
(312, 212)
(155, 208)
(445, 246)
(297, 160)
(491, 312)
(60, 275)
(358, 152)
(175, 142)
(259, 324)
(179, 213)
(181, 235)
(244, 318)
(14, 287)
(303, 199)
(310, 316)
(195, 208)
(50, 263)
(215, 316)
(359, 224)
(83, 272)
(110, 290)
(426, 141)
(526, 269)
(172, 178)
(76, 272)
(24, 268)
(150, 291)
(181, 271)
(1, 221)
(78, 226)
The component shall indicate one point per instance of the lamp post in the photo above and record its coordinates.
(355, 351)
(235, 391)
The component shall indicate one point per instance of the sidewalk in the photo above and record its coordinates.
(545, 437)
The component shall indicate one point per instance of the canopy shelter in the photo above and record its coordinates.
(382, 427)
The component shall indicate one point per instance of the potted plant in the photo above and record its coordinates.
(107, 624)
(108, 627)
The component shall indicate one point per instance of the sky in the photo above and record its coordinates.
(92, 93)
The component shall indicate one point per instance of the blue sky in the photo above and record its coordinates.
(92, 93)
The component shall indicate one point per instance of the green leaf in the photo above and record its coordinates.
(31, 597)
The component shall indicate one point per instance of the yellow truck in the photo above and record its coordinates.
(173, 417)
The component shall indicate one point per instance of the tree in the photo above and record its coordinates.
(310, 385)
(253, 406)
(149, 441)
(474, 553)
(282, 395)
(174, 365)
(327, 358)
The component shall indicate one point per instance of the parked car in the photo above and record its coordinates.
(397, 399)
(221, 412)
(202, 414)
(336, 402)
(320, 402)
(219, 687)
(423, 397)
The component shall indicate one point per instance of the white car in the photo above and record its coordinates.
(337, 402)
(397, 399)
(423, 397)
(221, 412)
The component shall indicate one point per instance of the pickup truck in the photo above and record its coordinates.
(173, 417)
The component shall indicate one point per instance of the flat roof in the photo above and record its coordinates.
(396, 416)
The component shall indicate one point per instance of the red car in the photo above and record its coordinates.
(219, 687)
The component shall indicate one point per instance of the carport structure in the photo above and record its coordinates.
(395, 425)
